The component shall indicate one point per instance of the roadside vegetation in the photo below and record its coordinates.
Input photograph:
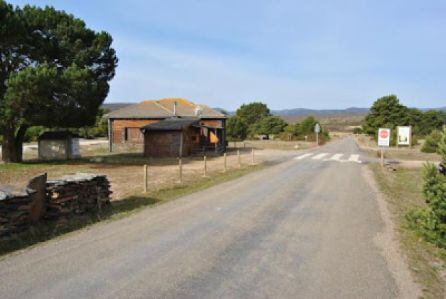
(254, 121)
(404, 193)
(432, 141)
(388, 112)
(417, 199)
(430, 221)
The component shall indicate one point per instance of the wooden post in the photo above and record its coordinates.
(180, 170)
(382, 157)
(239, 159)
(145, 178)
(181, 145)
(205, 166)
(225, 162)
(252, 157)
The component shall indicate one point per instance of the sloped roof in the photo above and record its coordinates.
(165, 108)
(171, 124)
(57, 135)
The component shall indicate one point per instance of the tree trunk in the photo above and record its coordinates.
(12, 146)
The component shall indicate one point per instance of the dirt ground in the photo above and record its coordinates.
(126, 173)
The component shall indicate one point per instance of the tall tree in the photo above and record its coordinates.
(431, 120)
(269, 125)
(307, 125)
(253, 112)
(54, 72)
(236, 128)
(386, 112)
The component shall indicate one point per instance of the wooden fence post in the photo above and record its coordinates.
(252, 157)
(225, 162)
(239, 159)
(145, 178)
(205, 166)
(382, 158)
(180, 170)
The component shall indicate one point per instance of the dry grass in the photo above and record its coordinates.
(370, 146)
(125, 171)
(403, 193)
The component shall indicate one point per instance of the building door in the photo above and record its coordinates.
(134, 135)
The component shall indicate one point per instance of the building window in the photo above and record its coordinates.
(126, 134)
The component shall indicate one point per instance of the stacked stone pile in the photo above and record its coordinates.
(15, 208)
(60, 199)
(76, 194)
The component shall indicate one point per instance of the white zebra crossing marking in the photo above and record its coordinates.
(335, 157)
(303, 156)
(354, 158)
(320, 156)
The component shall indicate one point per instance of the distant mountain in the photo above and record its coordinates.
(296, 112)
(321, 112)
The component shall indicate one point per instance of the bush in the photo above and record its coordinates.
(431, 221)
(431, 143)
(357, 130)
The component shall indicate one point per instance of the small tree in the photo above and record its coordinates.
(431, 221)
(236, 128)
(307, 125)
(270, 125)
(432, 141)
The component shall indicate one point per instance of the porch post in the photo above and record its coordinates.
(110, 135)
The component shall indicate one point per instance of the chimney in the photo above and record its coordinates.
(175, 109)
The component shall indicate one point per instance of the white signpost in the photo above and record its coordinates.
(317, 130)
(404, 135)
(383, 141)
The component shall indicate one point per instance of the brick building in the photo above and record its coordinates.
(154, 127)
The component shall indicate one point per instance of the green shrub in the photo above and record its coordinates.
(431, 143)
(431, 221)
(357, 130)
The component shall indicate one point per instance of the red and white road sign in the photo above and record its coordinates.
(384, 137)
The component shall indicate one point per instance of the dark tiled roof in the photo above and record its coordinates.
(58, 135)
(164, 108)
(171, 124)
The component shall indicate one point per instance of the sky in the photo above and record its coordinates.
(330, 54)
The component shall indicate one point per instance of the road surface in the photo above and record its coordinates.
(302, 229)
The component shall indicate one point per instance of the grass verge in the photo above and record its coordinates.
(403, 190)
(121, 208)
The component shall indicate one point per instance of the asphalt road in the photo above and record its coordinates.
(302, 229)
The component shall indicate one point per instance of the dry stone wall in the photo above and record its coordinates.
(15, 208)
(65, 197)
(76, 194)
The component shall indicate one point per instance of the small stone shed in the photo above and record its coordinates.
(59, 145)
(180, 137)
